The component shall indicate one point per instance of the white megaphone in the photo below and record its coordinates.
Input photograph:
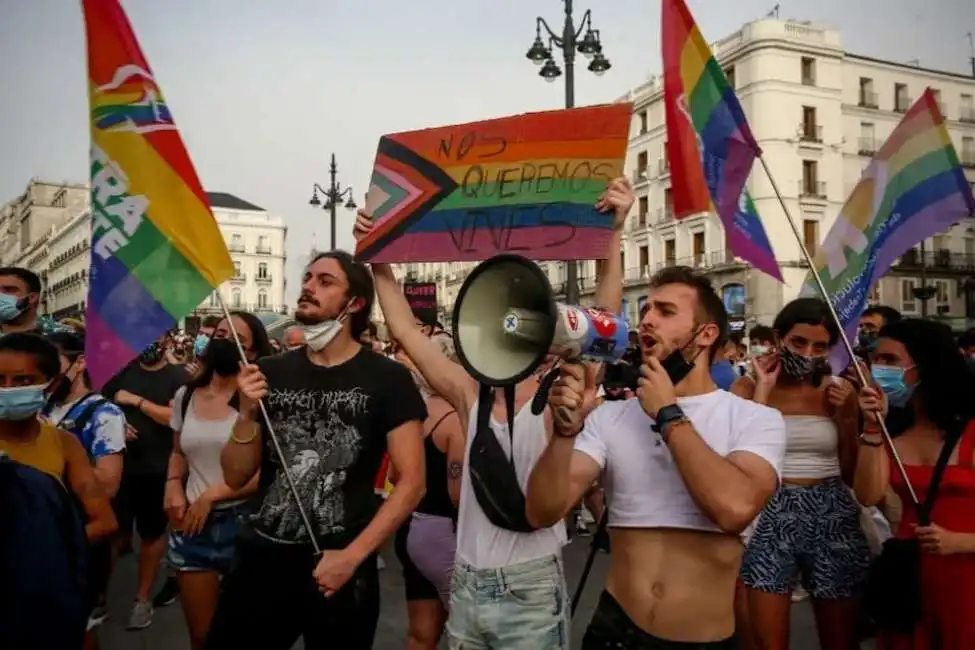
(506, 322)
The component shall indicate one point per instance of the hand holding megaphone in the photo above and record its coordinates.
(567, 399)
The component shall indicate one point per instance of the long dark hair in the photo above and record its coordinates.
(260, 345)
(946, 385)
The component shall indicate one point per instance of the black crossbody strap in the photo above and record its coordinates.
(954, 437)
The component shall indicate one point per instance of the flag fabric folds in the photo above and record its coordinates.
(913, 189)
(709, 143)
(156, 250)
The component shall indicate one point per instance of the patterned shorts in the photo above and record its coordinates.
(810, 533)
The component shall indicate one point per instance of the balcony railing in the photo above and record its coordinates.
(967, 157)
(809, 189)
(943, 260)
(966, 114)
(811, 133)
(263, 250)
(868, 99)
(239, 277)
(867, 146)
(236, 248)
(663, 166)
(902, 103)
(640, 175)
(263, 279)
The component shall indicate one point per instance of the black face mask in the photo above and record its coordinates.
(152, 354)
(223, 357)
(61, 390)
(676, 365)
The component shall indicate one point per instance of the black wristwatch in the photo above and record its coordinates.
(667, 417)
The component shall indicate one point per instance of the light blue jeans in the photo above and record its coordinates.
(519, 607)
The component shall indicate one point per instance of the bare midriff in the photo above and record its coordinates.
(675, 584)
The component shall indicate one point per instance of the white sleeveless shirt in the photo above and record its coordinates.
(480, 543)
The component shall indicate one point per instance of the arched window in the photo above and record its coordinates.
(262, 299)
(235, 299)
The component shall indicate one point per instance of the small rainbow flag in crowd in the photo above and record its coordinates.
(156, 251)
(913, 189)
(709, 143)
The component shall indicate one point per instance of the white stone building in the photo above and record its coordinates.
(818, 113)
(256, 240)
(68, 257)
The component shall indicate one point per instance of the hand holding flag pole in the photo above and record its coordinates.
(292, 486)
(864, 380)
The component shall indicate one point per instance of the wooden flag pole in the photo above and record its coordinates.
(292, 486)
(846, 341)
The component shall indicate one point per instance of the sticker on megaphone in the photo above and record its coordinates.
(581, 333)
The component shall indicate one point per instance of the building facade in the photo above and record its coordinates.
(68, 257)
(819, 114)
(48, 230)
(256, 240)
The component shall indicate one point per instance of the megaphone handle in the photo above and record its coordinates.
(544, 387)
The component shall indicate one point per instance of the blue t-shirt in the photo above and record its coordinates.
(104, 432)
(723, 374)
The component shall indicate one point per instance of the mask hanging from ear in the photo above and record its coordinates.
(319, 335)
(676, 365)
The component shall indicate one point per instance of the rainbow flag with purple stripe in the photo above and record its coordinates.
(913, 189)
(156, 250)
(709, 143)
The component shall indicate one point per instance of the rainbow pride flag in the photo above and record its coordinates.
(523, 184)
(156, 251)
(913, 189)
(709, 143)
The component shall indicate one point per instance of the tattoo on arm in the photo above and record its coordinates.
(455, 469)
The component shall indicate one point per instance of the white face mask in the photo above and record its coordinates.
(759, 350)
(319, 335)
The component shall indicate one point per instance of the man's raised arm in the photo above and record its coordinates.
(445, 377)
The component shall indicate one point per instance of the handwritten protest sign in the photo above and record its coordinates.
(422, 298)
(525, 184)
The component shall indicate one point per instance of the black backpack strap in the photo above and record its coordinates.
(951, 441)
(79, 422)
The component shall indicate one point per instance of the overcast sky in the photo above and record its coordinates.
(264, 91)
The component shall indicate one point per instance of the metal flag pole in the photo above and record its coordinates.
(846, 341)
(274, 438)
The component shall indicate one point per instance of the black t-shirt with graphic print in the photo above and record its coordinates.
(332, 424)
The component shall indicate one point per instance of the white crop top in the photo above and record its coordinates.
(811, 448)
(643, 486)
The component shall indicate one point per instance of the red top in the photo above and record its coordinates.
(947, 581)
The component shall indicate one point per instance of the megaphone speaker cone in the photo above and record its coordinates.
(504, 320)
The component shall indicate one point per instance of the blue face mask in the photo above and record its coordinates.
(9, 308)
(22, 402)
(891, 381)
(200, 344)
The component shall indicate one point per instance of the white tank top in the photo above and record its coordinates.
(480, 543)
(811, 447)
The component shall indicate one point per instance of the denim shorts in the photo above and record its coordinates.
(212, 549)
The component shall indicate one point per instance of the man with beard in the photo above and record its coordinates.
(687, 467)
(20, 292)
(145, 391)
(336, 407)
(508, 585)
